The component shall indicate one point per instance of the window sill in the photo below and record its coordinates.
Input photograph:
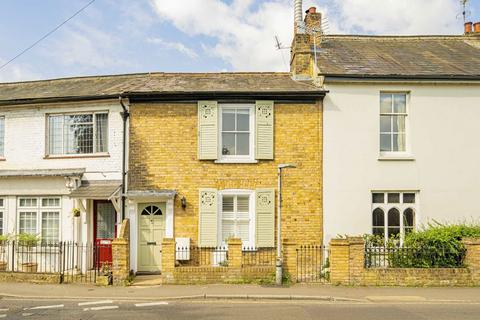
(76, 156)
(400, 157)
(236, 161)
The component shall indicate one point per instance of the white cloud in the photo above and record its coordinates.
(177, 46)
(86, 47)
(401, 17)
(244, 34)
(244, 37)
(16, 72)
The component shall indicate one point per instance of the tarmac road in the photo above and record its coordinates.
(14, 308)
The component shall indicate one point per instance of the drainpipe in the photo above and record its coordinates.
(125, 115)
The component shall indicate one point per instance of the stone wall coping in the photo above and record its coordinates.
(235, 241)
(471, 241)
(119, 241)
(339, 242)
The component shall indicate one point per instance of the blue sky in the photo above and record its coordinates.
(126, 36)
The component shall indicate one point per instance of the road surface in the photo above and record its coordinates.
(13, 308)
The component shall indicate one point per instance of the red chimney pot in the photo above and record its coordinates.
(468, 27)
(476, 27)
(311, 10)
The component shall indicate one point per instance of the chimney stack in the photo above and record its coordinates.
(476, 27)
(302, 61)
(468, 27)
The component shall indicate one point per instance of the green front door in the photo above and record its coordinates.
(151, 230)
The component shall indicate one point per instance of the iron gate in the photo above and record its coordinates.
(313, 264)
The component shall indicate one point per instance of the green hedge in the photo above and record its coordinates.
(435, 245)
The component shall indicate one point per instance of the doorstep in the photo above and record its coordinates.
(147, 280)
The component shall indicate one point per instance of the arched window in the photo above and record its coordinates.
(378, 222)
(152, 211)
(393, 222)
(408, 220)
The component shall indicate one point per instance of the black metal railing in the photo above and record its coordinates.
(201, 256)
(74, 262)
(86, 262)
(258, 257)
(403, 257)
(313, 264)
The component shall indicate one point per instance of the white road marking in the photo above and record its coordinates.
(47, 307)
(3, 315)
(27, 314)
(149, 304)
(94, 302)
(100, 308)
(3, 310)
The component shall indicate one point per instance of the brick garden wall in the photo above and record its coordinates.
(347, 267)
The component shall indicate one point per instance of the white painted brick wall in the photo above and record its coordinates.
(25, 141)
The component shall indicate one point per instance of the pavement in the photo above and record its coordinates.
(242, 292)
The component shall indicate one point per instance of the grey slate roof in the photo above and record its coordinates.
(96, 189)
(42, 173)
(446, 57)
(113, 85)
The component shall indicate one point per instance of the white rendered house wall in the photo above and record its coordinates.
(441, 165)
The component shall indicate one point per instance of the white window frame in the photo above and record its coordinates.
(237, 158)
(395, 154)
(94, 136)
(2, 136)
(39, 209)
(401, 207)
(252, 223)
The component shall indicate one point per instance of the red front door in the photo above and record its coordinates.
(105, 228)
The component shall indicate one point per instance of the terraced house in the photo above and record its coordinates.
(400, 127)
(60, 161)
(204, 155)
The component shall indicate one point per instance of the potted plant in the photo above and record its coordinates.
(27, 242)
(76, 212)
(3, 252)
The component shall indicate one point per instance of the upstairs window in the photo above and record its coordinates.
(78, 134)
(393, 118)
(236, 136)
(2, 136)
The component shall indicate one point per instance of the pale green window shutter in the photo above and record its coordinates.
(207, 130)
(264, 130)
(265, 217)
(208, 218)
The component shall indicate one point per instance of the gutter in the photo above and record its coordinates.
(400, 78)
(180, 96)
(125, 115)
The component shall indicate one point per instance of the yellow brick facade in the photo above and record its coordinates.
(163, 155)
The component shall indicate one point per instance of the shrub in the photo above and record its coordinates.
(435, 245)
